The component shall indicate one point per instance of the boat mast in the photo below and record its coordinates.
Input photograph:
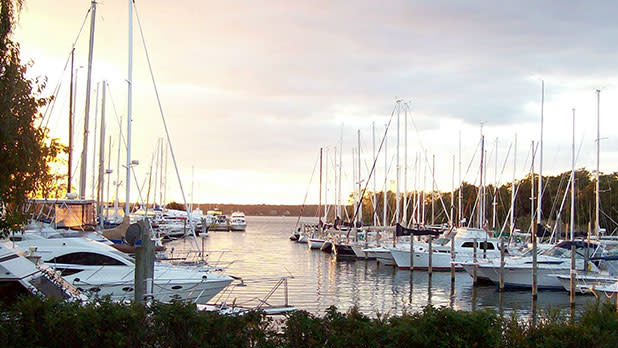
(405, 166)
(375, 194)
(354, 191)
(494, 203)
(433, 187)
(335, 184)
(360, 190)
(481, 200)
(326, 187)
(117, 198)
(512, 220)
(398, 174)
(70, 124)
(459, 198)
(129, 111)
(320, 196)
(385, 193)
(84, 160)
(101, 180)
(597, 226)
(452, 195)
(572, 224)
(94, 143)
(540, 194)
(340, 168)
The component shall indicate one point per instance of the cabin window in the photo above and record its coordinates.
(86, 259)
(468, 245)
(486, 246)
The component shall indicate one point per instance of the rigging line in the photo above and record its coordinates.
(302, 208)
(156, 90)
(50, 107)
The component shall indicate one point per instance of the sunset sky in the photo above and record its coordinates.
(252, 90)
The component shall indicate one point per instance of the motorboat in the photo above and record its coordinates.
(465, 240)
(216, 220)
(315, 243)
(21, 273)
(517, 271)
(97, 269)
(238, 222)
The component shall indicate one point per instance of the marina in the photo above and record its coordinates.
(221, 174)
(319, 281)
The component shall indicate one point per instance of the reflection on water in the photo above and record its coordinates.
(265, 252)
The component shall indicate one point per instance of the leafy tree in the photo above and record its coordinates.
(25, 149)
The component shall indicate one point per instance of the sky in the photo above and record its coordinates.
(251, 92)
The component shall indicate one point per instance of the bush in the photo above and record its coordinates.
(35, 322)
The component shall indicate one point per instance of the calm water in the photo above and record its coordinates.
(263, 254)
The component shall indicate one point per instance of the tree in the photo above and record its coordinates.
(25, 149)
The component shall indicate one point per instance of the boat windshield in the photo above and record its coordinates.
(558, 252)
(441, 241)
(563, 251)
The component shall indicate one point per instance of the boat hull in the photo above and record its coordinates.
(439, 261)
(315, 243)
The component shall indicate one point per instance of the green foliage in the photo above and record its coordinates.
(34, 322)
(25, 150)
(174, 205)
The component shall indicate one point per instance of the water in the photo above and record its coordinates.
(264, 252)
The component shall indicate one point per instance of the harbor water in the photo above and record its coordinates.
(263, 254)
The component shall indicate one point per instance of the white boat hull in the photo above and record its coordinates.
(439, 261)
(521, 277)
(315, 243)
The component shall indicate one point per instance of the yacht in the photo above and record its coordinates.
(238, 222)
(21, 273)
(97, 269)
(517, 271)
(216, 220)
(464, 239)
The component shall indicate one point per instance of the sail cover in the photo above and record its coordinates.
(403, 231)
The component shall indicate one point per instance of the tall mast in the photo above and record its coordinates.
(94, 143)
(117, 198)
(129, 111)
(398, 174)
(354, 191)
(161, 172)
(326, 187)
(84, 160)
(532, 211)
(572, 224)
(452, 195)
(405, 166)
(481, 191)
(375, 194)
(540, 194)
(101, 180)
(494, 203)
(71, 125)
(459, 204)
(512, 220)
(108, 170)
(597, 227)
(433, 187)
(320, 195)
(360, 191)
(424, 186)
(340, 168)
(385, 195)
(335, 184)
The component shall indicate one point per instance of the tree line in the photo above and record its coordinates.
(556, 195)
